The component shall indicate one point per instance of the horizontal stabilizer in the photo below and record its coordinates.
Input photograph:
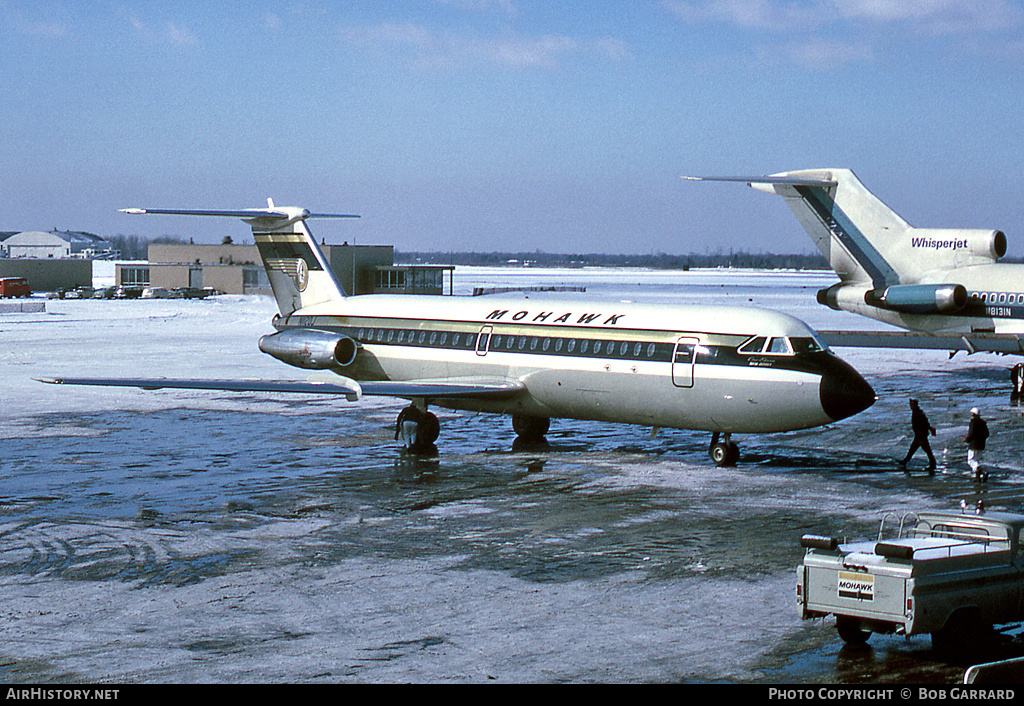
(344, 386)
(780, 180)
(275, 213)
(299, 274)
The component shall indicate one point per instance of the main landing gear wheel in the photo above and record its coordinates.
(530, 430)
(724, 453)
(429, 429)
(417, 429)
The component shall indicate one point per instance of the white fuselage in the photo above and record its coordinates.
(684, 367)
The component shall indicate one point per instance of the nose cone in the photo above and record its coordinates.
(843, 391)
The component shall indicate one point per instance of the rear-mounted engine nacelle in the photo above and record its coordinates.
(921, 298)
(842, 296)
(976, 245)
(312, 350)
(988, 243)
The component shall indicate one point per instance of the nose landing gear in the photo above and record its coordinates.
(725, 453)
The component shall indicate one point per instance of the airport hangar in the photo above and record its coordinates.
(50, 260)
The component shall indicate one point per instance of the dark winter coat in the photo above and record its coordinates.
(977, 432)
(919, 423)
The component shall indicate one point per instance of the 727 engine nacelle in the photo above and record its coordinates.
(955, 247)
(843, 296)
(920, 298)
(310, 349)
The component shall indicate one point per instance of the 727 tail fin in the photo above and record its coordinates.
(864, 240)
(298, 271)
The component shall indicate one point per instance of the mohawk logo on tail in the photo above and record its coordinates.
(296, 269)
(290, 256)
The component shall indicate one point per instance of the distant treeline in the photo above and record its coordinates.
(658, 261)
(134, 247)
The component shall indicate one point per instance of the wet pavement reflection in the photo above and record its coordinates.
(179, 537)
(165, 500)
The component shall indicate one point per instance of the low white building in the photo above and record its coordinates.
(55, 244)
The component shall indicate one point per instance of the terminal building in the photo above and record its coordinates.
(238, 269)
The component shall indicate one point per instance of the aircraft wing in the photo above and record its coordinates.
(1006, 343)
(351, 389)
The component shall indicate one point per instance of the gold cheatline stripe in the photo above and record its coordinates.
(281, 237)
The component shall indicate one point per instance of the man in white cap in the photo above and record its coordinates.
(977, 433)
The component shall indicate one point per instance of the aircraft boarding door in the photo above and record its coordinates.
(483, 340)
(684, 355)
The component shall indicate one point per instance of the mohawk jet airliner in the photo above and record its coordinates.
(726, 370)
(943, 286)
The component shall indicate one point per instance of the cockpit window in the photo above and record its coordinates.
(805, 345)
(754, 345)
(779, 345)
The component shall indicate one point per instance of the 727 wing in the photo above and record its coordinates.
(976, 342)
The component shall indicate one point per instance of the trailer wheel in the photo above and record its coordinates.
(850, 631)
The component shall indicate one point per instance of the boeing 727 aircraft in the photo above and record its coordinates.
(726, 370)
(943, 286)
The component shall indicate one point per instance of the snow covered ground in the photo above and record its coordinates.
(178, 536)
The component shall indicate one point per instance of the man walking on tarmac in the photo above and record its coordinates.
(977, 432)
(1017, 378)
(919, 423)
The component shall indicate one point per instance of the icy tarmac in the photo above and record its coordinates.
(176, 536)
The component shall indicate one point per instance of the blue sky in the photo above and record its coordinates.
(509, 124)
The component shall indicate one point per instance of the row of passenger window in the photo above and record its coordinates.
(496, 343)
(438, 339)
(997, 298)
(581, 346)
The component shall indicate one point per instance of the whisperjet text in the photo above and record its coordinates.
(955, 244)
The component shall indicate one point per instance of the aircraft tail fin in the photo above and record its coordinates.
(864, 240)
(299, 273)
